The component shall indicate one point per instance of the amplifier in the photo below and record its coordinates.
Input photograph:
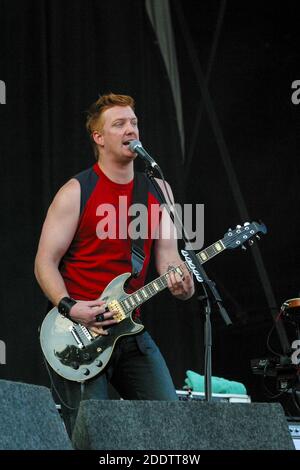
(294, 427)
(186, 395)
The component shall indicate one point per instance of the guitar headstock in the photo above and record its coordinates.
(243, 234)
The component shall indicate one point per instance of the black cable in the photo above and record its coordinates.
(53, 386)
(295, 398)
(268, 342)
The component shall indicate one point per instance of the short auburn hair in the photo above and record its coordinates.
(97, 109)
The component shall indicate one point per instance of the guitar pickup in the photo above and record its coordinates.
(117, 310)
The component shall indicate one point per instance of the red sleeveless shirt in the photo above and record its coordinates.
(101, 248)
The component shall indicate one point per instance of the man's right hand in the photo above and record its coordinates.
(85, 313)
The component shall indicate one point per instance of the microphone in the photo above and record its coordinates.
(136, 147)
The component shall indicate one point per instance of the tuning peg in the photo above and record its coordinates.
(257, 236)
(250, 242)
(244, 247)
(238, 226)
(246, 223)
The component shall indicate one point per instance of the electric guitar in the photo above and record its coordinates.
(78, 354)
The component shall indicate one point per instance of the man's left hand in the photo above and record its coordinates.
(180, 285)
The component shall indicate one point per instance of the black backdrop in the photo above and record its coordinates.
(55, 58)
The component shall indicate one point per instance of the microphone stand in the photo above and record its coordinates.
(210, 290)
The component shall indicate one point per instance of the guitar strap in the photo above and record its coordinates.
(140, 196)
(142, 187)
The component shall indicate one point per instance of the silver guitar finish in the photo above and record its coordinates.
(60, 336)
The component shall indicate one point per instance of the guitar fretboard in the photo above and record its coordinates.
(145, 293)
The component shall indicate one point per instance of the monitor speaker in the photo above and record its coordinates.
(161, 425)
(29, 419)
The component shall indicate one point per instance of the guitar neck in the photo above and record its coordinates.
(160, 283)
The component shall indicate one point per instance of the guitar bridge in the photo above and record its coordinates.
(117, 310)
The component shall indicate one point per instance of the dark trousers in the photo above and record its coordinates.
(137, 371)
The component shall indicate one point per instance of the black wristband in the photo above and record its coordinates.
(65, 306)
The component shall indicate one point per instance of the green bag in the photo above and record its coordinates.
(195, 382)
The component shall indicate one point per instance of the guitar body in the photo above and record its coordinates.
(70, 348)
(77, 354)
